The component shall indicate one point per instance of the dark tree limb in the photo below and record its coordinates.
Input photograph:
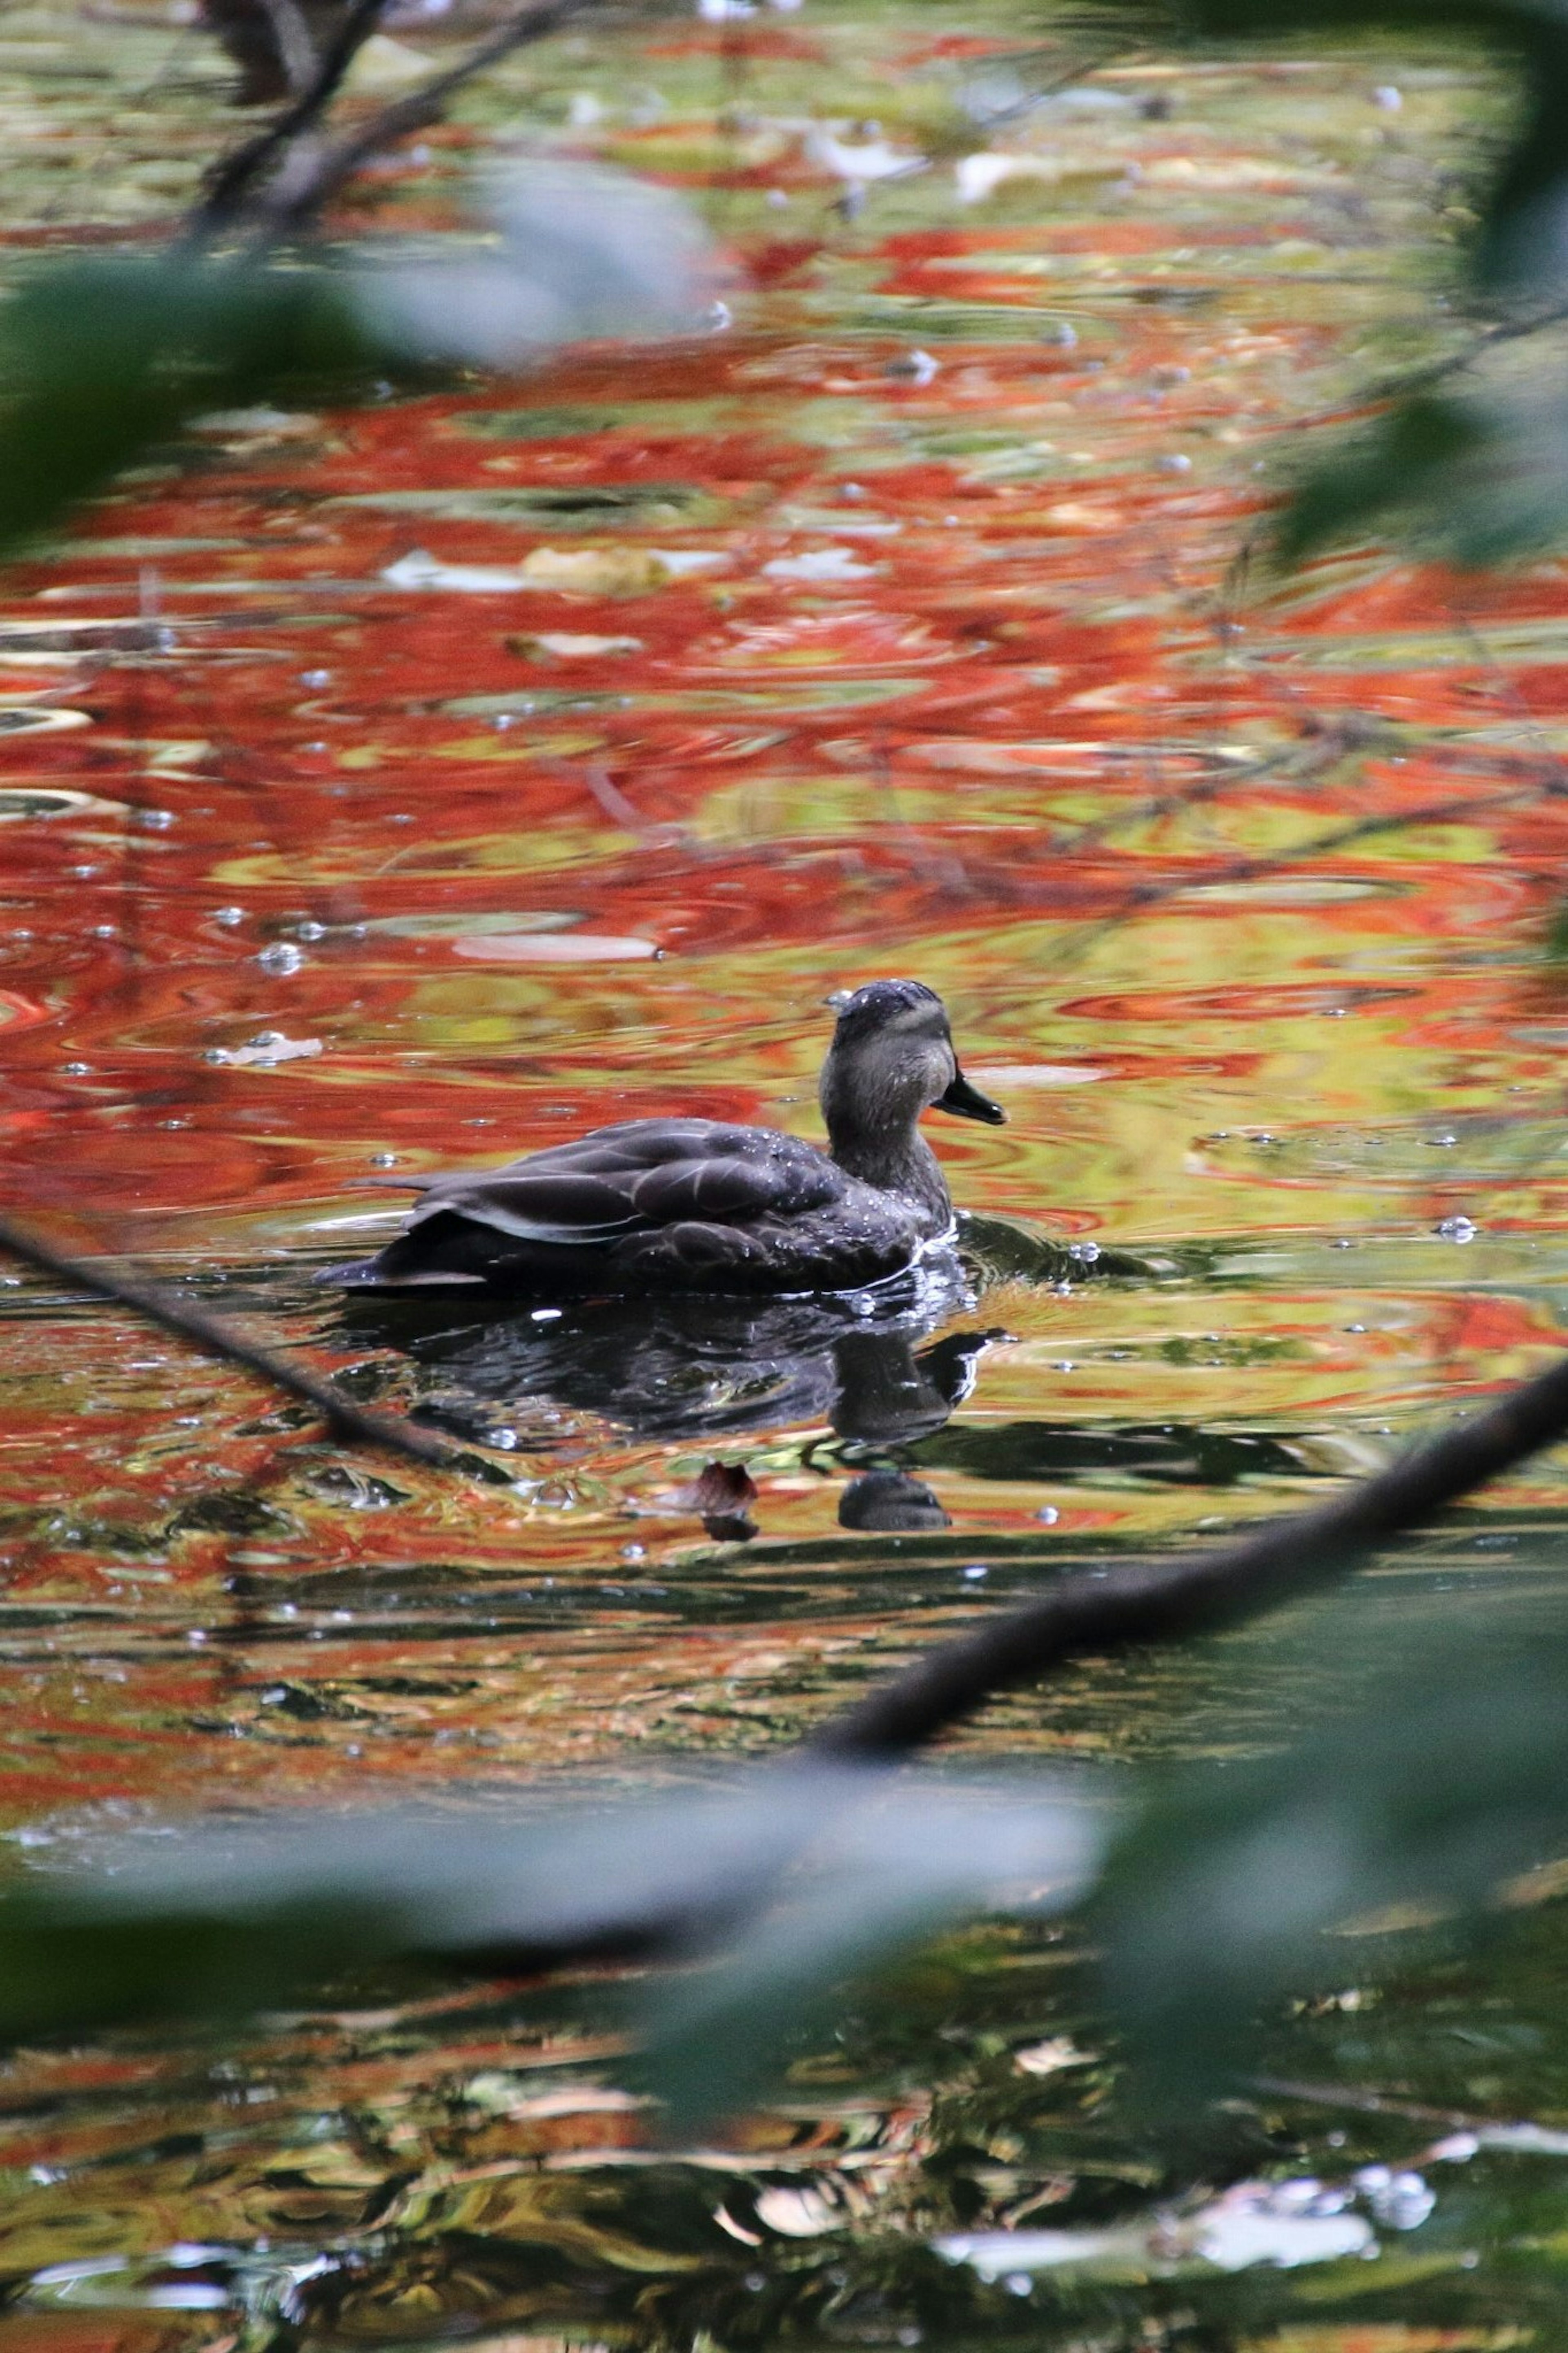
(233, 178)
(298, 193)
(218, 1338)
(1165, 1601)
(273, 185)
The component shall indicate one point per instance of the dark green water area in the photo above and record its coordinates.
(881, 629)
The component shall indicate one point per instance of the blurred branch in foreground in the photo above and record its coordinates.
(217, 1337)
(275, 183)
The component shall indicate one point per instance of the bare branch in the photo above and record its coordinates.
(1165, 1601)
(216, 1338)
(233, 178)
(289, 203)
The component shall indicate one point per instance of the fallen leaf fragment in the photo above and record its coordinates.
(563, 645)
(420, 569)
(595, 571)
(719, 1498)
(264, 1051)
(819, 564)
(553, 948)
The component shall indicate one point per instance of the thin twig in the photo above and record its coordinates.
(218, 1338)
(1163, 1601)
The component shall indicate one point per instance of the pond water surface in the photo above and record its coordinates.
(885, 629)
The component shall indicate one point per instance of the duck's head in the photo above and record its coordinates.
(890, 1058)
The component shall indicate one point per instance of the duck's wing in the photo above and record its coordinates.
(640, 1179)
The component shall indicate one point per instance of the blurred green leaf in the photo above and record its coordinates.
(202, 1919)
(890, 1860)
(100, 359)
(1475, 480)
(1220, 1898)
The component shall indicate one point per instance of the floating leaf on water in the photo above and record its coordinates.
(553, 948)
(719, 1498)
(419, 569)
(561, 645)
(820, 563)
(603, 571)
(264, 1051)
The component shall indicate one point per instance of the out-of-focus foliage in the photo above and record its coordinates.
(1483, 475)
(214, 1920)
(1424, 1805)
(99, 360)
(1221, 1892)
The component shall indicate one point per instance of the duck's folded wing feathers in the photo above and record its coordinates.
(546, 1206)
(727, 1191)
(553, 1198)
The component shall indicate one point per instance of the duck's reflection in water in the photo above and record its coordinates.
(685, 1368)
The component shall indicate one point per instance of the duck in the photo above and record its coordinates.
(677, 1206)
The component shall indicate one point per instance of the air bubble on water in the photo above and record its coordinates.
(1456, 1230)
(1084, 1254)
(384, 1159)
(1047, 1515)
(282, 957)
(975, 1571)
(229, 917)
(315, 678)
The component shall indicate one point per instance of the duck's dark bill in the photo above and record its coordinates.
(968, 1102)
